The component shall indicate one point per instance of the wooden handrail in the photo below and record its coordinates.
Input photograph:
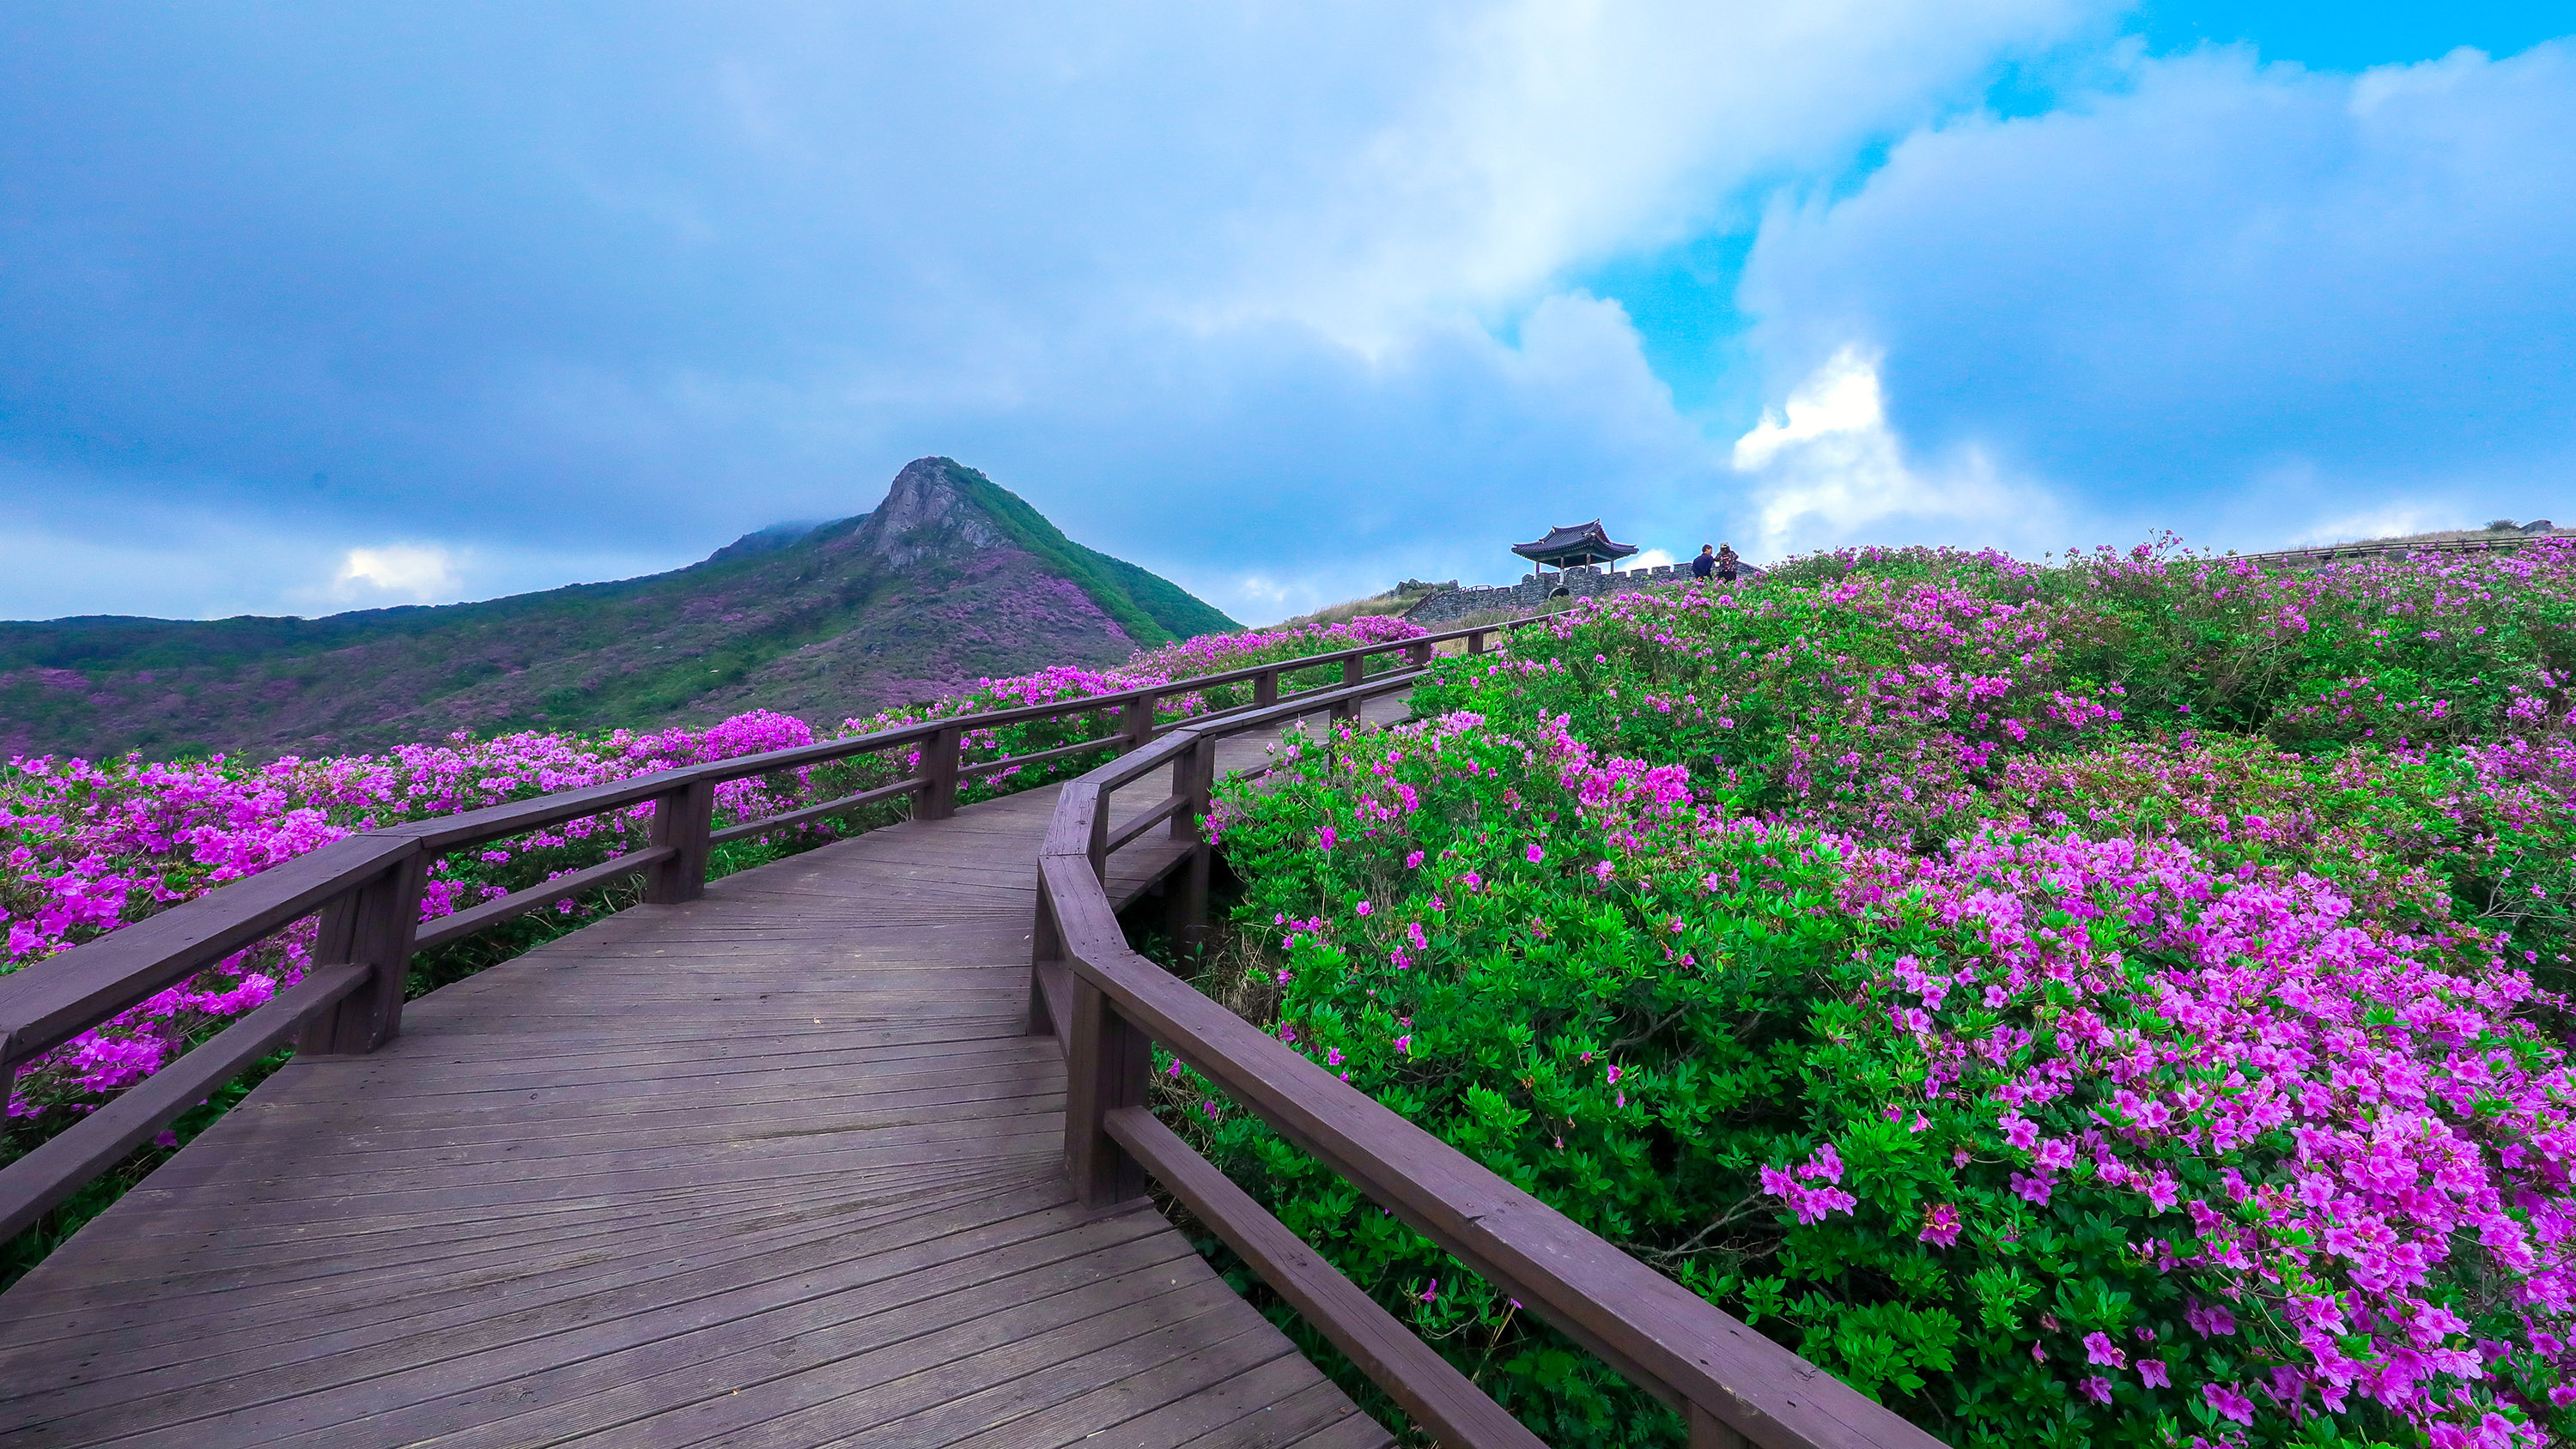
(58, 1168)
(1437, 1396)
(368, 888)
(42, 1006)
(564, 887)
(1108, 1005)
(2328, 552)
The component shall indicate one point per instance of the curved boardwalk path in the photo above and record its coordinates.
(777, 1167)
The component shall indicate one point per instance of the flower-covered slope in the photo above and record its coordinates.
(2088, 1005)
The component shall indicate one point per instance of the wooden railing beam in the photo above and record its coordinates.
(1434, 1395)
(58, 1167)
(824, 811)
(448, 930)
(47, 1003)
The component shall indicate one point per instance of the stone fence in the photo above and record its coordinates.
(1534, 591)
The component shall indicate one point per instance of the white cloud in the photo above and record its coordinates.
(2396, 520)
(1309, 261)
(2217, 291)
(1827, 468)
(1653, 558)
(412, 572)
(1542, 135)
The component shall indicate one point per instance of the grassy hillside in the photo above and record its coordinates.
(1152, 608)
(964, 580)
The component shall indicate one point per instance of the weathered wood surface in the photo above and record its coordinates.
(776, 1166)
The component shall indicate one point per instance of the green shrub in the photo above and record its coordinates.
(1862, 954)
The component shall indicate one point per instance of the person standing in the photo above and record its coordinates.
(1704, 565)
(1726, 563)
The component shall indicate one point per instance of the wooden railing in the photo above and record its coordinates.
(367, 889)
(2326, 552)
(1108, 1006)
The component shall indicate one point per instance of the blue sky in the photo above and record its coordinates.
(308, 307)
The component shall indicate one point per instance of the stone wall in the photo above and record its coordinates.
(1533, 592)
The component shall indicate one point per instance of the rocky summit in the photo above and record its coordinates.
(950, 579)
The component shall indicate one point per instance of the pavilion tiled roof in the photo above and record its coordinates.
(1574, 538)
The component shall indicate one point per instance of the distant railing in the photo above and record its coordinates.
(2327, 552)
(367, 889)
(1108, 1005)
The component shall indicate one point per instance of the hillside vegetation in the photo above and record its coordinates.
(951, 579)
(2112, 1004)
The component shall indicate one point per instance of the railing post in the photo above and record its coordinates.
(1353, 670)
(1106, 1066)
(1265, 687)
(1191, 781)
(1418, 655)
(372, 925)
(1136, 722)
(1707, 1431)
(939, 774)
(1097, 848)
(1476, 642)
(681, 820)
(1194, 780)
(1046, 948)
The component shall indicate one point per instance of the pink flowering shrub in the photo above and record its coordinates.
(1891, 959)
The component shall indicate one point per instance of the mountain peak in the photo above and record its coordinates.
(952, 578)
(932, 510)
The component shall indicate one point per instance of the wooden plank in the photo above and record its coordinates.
(361, 1264)
(1275, 1403)
(861, 1337)
(363, 1261)
(1112, 1409)
(599, 1337)
(1356, 1432)
(937, 1405)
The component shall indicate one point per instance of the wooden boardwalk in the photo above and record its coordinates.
(776, 1167)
